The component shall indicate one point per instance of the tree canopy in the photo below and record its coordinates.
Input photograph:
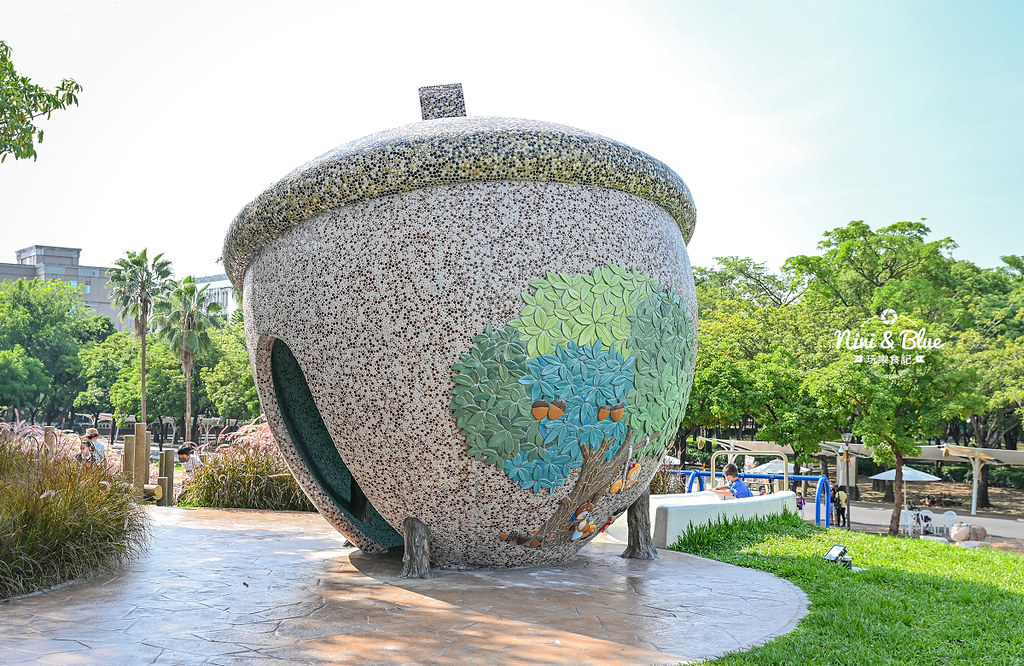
(229, 381)
(48, 320)
(769, 351)
(22, 103)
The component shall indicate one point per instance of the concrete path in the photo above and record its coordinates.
(249, 587)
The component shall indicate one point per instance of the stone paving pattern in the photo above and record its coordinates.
(246, 587)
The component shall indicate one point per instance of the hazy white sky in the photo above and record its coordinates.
(784, 118)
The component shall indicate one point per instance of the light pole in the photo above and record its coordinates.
(847, 438)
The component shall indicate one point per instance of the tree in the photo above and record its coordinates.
(46, 319)
(229, 382)
(992, 344)
(102, 363)
(894, 405)
(183, 318)
(135, 284)
(758, 340)
(743, 279)
(22, 379)
(21, 103)
(164, 377)
(870, 271)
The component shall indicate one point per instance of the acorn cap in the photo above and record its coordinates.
(446, 151)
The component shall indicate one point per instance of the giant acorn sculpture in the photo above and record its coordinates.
(486, 324)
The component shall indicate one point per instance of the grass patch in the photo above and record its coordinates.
(61, 520)
(246, 472)
(919, 602)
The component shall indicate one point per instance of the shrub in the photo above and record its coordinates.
(663, 483)
(998, 477)
(246, 472)
(60, 520)
(956, 473)
(1007, 477)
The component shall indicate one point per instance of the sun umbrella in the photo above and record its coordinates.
(909, 474)
(773, 467)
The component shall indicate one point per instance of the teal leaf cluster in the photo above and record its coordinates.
(663, 338)
(491, 407)
(586, 378)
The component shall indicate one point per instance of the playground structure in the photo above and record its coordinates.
(822, 496)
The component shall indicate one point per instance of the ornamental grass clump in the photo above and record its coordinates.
(59, 519)
(246, 472)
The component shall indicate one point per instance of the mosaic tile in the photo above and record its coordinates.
(448, 151)
(531, 396)
(444, 101)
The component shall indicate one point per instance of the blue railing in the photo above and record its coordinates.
(824, 487)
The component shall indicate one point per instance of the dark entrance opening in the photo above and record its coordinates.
(316, 447)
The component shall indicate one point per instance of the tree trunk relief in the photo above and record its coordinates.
(416, 561)
(639, 545)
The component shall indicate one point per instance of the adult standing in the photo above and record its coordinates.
(842, 506)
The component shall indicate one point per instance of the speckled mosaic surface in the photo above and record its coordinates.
(448, 151)
(444, 101)
(381, 299)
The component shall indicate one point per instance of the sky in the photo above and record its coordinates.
(785, 118)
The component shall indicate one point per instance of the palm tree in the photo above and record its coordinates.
(183, 319)
(135, 284)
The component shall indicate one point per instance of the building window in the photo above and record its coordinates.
(87, 288)
(74, 283)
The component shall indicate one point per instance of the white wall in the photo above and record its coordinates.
(673, 515)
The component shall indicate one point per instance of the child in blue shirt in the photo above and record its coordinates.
(733, 487)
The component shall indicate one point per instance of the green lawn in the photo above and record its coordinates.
(918, 602)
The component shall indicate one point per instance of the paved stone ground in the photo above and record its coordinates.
(251, 587)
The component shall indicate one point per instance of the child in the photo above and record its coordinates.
(733, 486)
(93, 435)
(87, 454)
(187, 455)
(800, 503)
